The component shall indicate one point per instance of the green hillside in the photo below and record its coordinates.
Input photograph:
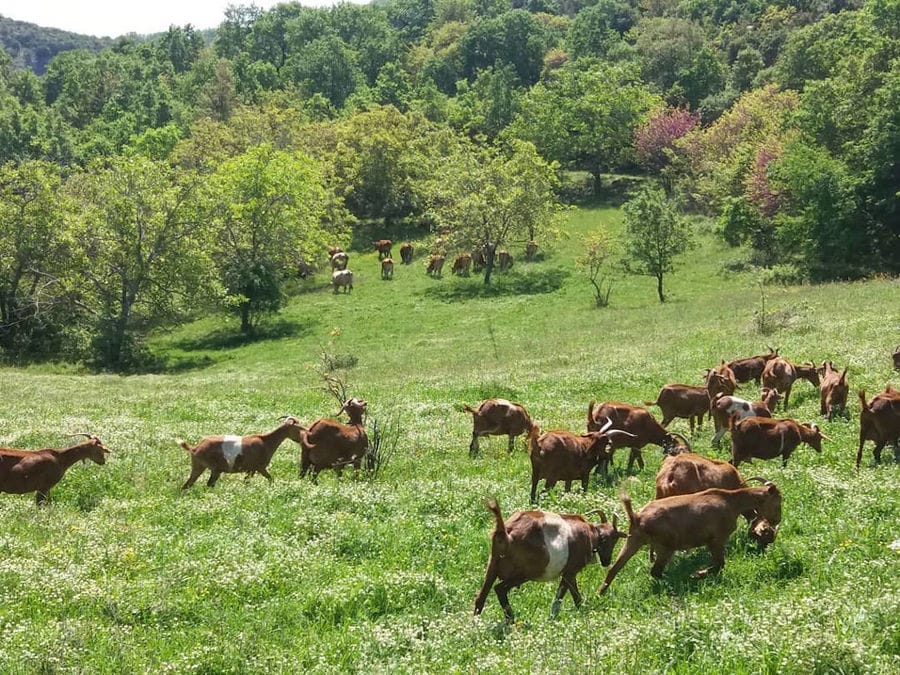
(123, 573)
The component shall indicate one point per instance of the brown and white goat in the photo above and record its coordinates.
(689, 472)
(688, 521)
(238, 454)
(751, 368)
(781, 374)
(387, 269)
(339, 261)
(724, 407)
(879, 421)
(767, 438)
(330, 444)
(383, 246)
(543, 546)
(833, 391)
(37, 471)
(497, 417)
(682, 400)
(342, 279)
(637, 421)
(406, 253)
(560, 455)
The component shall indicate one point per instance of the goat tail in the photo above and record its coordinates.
(532, 437)
(184, 445)
(862, 399)
(469, 409)
(492, 506)
(626, 502)
(651, 403)
(591, 410)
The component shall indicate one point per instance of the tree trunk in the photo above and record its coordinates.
(595, 172)
(659, 287)
(489, 266)
(246, 325)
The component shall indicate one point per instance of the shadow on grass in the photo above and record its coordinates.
(224, 339)
(529, 283)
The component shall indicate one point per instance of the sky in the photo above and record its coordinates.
(111, 18)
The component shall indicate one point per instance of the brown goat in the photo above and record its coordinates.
(879, 421)
(833, 391)
(435, 266)
(689, 472)
(636, 421)
(387, 269)
(238, 454)
(751, 368)
(504, 260)
(684, 522)
(767, 438)
(531, 249)
(37, 471)
(781, 374)
(720, 380)
(478, 261)
(406, 253)
(725, 406)
(562, 456)
(461, 265)
(330, 444)
(497, 417)
(543, 546)
(896, 357)
(383, 246)
(682, 400)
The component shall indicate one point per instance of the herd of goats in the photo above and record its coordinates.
(342, 277)
(697, 502)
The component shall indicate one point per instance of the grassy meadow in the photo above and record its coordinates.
(123, 573)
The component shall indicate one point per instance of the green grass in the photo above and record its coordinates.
(122, 573)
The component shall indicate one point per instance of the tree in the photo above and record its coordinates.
(35, 260)
(515, 38)
(586, 115)
(595, 263)
(655, 234)
(487, 198)
(268, 209)
(145, 250)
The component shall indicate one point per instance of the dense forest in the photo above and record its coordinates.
(32, 46)
(158, 178)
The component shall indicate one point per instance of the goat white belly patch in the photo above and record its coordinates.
(557, 533)
(231, 449)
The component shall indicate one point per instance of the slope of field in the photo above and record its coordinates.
(122, 573)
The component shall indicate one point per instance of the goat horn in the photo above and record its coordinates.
(762, 480)
(598, 511)
(681, 436)
(606, 426)
(619, 432)
(81, 433)
(827, 438)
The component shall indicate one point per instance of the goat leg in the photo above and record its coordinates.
(502, 590)
(557, 601)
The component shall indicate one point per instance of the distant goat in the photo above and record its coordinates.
(682, 400)
(543, 546)
(342, 279)
(751, 368)
(387, 269)
(497, 417)
(383, 246)
(37, 471)
(833, 391)
(435, 266)
(896, 357)
(504, 260)
(339, 261)
(781, 374)
(406, 253)
(531, 249)
(461, 265)
(238, 454)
